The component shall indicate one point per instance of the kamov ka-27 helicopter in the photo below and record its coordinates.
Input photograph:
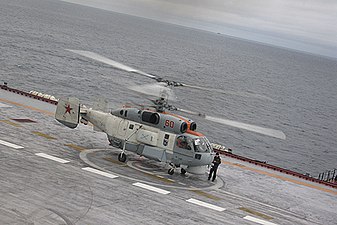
(152, 132)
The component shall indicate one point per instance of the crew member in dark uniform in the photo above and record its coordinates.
(215, 164)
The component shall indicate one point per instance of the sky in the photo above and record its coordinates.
(305, 25)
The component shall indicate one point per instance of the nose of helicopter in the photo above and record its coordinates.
(202, 158)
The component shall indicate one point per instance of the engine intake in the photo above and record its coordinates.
(150, 117)
(193, 126)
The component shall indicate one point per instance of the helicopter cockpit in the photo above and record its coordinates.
(202, 144)
(199, 144)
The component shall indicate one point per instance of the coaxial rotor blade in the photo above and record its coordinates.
(241, 94)
(261, 130)
(111, 62)
(120, 66)
(189, 112)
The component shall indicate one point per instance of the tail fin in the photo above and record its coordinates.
(101, 105)
(68, 111)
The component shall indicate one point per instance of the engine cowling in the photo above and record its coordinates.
(165, 122)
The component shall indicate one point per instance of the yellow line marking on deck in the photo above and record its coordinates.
(26, 106)
(160, 178)
(253, 212)
(10, 123)
(75, 147)
(43, 135)
(283, 178)
(207, 195)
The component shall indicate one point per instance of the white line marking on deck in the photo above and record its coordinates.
(10, 144)
(256, 220)
(207, 205)
(52, 158)
(99, 172)
(151, 188)
(4, 105)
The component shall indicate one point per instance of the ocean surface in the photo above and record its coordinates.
(34, 36)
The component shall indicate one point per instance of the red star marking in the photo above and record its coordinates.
(68, 109)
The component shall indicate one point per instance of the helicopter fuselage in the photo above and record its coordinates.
(162, 137)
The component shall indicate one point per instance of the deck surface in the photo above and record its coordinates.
(51, 174)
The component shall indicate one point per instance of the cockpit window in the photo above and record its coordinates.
(202, 145)
(184, 142)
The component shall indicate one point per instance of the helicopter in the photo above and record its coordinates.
(153, 131)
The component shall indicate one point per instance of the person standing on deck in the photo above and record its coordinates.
(215, 164)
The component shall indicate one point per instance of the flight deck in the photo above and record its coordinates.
(51, 174)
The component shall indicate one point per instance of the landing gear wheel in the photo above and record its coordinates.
(183, 171)
(121, 157)
(171, 171)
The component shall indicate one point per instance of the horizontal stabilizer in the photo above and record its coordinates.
(68, 111)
